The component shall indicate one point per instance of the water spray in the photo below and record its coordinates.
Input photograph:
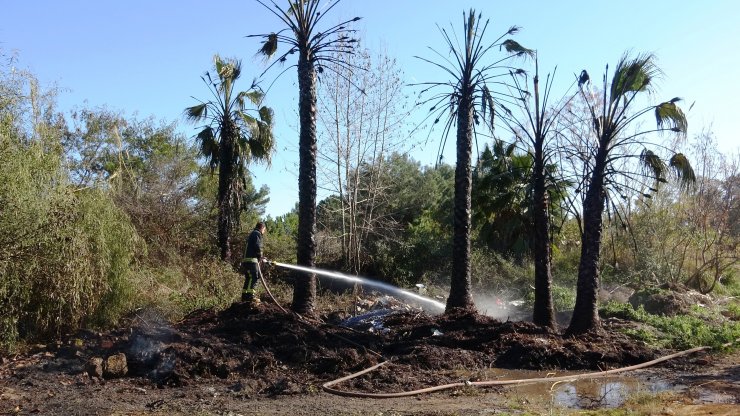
(423, 300)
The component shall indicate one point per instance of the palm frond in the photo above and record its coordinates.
(270, 45)
(633, 75)
(513, 46)
(248, 120)
(683, 170)
(653, 164)
(209, 146)
(254, 96)
(196, 112)
(266, 115)
(668, 113)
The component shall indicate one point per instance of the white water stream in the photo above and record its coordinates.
(433, 305)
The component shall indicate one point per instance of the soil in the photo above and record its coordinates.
(265, 361)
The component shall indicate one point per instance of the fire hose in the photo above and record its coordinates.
(267, 288)
(328, 386)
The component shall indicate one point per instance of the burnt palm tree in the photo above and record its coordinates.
(314, 47)
(535, 127)
(468, 99)
(233, 134)
(617, 162)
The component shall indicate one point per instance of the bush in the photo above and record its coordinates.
(492, 272)
(65, 254)
(676, 332)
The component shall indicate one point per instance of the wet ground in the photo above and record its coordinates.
(244, 361)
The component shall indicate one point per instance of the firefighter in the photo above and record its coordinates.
(251, 263)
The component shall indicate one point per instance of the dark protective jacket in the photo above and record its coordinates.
(254, 245)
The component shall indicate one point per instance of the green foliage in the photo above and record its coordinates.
(177, 290)
(733, 310)
(502, 200)
(65, 254)
(495, 273)
(676, 332)
(681, 237)
(563, 297)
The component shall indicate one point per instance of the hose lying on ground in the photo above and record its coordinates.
(328, 386)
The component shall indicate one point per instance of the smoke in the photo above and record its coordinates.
(499, 307)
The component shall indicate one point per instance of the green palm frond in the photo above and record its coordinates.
(513, 46)
(196, 112)
(254, 96)
(653, 164)
(219, 64)
(248, 120)
(668, 113)
(261, 145)
(633, 75)
(683, 170)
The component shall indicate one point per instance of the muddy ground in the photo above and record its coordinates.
(265, 361)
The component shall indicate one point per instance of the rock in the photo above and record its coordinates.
(115, 366)
(94, 367)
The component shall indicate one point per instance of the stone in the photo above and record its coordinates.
(94, 367)
(115, 366)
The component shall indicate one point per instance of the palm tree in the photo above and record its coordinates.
(609, 154)
(233, 135)
(468, 100)
(503, 199)
(314, 47)
(535, 128)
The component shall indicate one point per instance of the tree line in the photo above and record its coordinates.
(569, 189)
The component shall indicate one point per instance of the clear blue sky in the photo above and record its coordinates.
(145, 57)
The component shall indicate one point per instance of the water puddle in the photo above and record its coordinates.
(607, 392)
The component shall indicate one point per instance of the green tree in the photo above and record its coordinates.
(467, 100)
(616, 161)
(301, 20)
(230, 138)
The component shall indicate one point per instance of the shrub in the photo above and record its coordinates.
(677, 332)
(65, 255)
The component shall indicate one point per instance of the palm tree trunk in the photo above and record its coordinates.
(304, 291)
(543, 314)
(585, 313)
(225, 176)
(460, 291)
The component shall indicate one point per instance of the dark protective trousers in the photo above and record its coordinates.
(251, 276)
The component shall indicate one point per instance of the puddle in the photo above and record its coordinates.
(606, 392)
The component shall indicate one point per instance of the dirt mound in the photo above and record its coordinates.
(277, 353)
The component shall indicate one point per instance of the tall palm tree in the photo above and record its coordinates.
(468, 100)
(617, 161)
(314, 46)
(535, 127)
(232, 135)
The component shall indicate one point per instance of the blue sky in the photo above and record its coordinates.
(145, 57)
